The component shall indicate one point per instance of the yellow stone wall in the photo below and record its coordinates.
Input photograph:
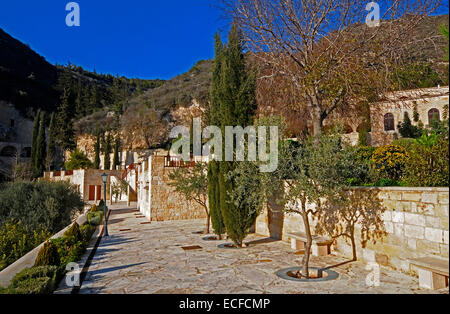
(416, 221)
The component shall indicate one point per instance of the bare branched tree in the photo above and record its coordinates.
(144, 125)
(322, 50)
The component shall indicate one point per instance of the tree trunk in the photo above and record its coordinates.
(316, 121)
(352, 239)
(207, 223)
(305, 261)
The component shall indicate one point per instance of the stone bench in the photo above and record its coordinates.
(320, 245)
(433, 272)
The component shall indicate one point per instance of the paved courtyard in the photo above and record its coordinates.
(149, 258)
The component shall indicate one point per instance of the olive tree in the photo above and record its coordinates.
(192, 183)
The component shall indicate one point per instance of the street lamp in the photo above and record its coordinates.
(105, 228)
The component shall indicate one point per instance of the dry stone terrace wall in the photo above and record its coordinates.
(416, 221)
(157, 200)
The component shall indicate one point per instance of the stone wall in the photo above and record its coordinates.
(416, 221)
(157, 200)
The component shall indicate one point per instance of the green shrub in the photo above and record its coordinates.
(94, 208)
(87, 231)
(73, 231)
(389, 161)
(41, 285)
(48, 255)
(428, 164)
(404, 142)
(16, 240)
(78, 160)
(40, 205)
(69, 250)
(35, 272)
(95, 219)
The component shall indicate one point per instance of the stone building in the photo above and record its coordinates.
(15, 137)
(89, 183)
(386, 115)
(157, 200)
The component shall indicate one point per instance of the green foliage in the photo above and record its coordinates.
(406, 143)
(39, 205)
(95, 218)
(407, 129)
(214, 198)
(87, 231)
(232, 103)
(48, 255)
(33, 273)
(16, 240)
(192, 183)
(428, 164)
(116, 161)
(73, 231)
(69, 250)
(66, 134)
(390, 161)
(51, 148)
(78, 160)
(445, 33)
(35, 280)
(38, 162)
(97, 153)
(415, 75)
(36, 123)
(107, 150)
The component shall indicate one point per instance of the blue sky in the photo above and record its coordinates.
(134, 38)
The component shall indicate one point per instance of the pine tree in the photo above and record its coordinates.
(65, 123)
(39, 164)
(51, 148)
(237, 106)
(97, 153)
(37, 118)
(107, 164)
(116, 153)
(213, 166)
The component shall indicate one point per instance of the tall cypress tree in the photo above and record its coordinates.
(97, 153)
(107, 164)
(116, 153)
(39, 165)
(237, 107)
(213, 166)
(37, 120)
(65, 123)
(51, 148)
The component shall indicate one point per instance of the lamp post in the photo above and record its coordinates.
(105, 228)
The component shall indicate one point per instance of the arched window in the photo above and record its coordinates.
(433, 114)
(8, 151)
(389, 124)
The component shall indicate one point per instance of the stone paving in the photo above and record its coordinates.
(149, 258)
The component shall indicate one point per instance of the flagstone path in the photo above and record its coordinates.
(149, 258)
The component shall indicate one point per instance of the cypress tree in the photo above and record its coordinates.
(107, 165)
(213, 166)
(39, 165)
(97, 153)
(51, 148)
(237, 106)
(116, 153)
(65, 123)
(37, 118)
